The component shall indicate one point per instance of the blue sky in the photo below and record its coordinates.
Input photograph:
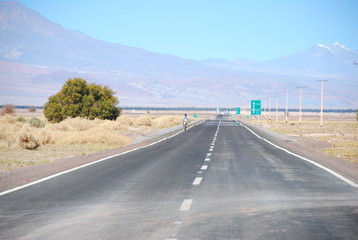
(199, 29)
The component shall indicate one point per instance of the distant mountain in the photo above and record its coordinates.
(319, 59)
(334, 58)
(37, 56)
(27, 37)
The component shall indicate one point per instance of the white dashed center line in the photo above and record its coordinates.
(185, 206)
(197, 180)
(204, 167)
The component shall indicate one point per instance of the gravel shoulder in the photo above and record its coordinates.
(310, 149)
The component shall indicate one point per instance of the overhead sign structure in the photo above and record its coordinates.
(238, 110)
(255, 107)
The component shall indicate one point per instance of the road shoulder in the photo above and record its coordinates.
(308, 148)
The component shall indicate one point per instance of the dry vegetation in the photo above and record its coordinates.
(29, 139)
(339, 132)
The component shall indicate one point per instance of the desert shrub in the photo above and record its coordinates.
(143, 120)
(8, 119)
(95, 135)
(46, 138)
(79, 99)
(8, 109)
(78, 124)
(125, 121)
(21, 119)
(167, 121)
(36, 122)
(28, 141)
(32, 109)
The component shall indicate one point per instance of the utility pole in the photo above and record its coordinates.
(269, 108)
(322, 81)
(276, 108)
(300, 103)
(286, 113)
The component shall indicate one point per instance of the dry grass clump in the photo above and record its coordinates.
(95, 135)
(167, 121)
(143, 120)
(28, 141)
(125, 120)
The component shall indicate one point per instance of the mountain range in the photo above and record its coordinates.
(37, 56)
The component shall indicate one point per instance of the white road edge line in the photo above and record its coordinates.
(353, 184)
(185, 206)
(89, 164)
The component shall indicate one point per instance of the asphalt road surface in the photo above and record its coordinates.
(215, 181)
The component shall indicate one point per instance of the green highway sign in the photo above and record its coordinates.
(255, 107)
(237, 110)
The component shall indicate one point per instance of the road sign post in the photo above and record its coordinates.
(256, 109)
(238, 112)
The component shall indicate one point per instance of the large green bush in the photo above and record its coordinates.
(79, 99)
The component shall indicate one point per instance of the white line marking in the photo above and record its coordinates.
(204, 167)
(185, 206)
(197, 180)
(306, 159)
(207, 159)
(209, 154)
(210, 149)
(88, 164)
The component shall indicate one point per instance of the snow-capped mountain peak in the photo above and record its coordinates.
(334, 47)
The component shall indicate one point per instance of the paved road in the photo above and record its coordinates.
(215, 181)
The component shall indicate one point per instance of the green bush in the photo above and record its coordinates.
(21, 119)
(79, 99)
(35, 122)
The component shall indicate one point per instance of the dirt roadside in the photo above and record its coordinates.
(310, 149)
(305, 147)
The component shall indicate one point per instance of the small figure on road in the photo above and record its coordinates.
(185, 122)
